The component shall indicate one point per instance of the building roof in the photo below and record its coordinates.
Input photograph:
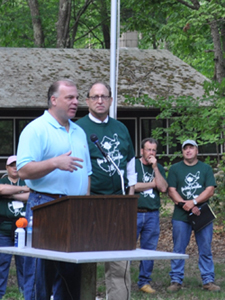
(26, 74)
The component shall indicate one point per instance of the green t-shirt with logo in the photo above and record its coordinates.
(115, 140)
(149, 199)
(190, 182)
(10, 209)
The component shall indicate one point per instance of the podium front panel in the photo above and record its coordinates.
(86, 223)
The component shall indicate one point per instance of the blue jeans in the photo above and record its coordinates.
(5, 260)
(148, 228)
(181, 237)
(42, 277)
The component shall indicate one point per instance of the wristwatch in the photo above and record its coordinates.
(195, 202)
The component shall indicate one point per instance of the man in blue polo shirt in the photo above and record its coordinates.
(53, 158)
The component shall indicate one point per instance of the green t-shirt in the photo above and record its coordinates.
(116, 142)
(9, 209)
(149, 199)
(190, 182)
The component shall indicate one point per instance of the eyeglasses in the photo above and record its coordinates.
(149, 150)
(96, 97)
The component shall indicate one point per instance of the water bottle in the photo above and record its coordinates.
(19, 238)
(29, 232)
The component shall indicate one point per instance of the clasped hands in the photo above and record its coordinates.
(190, 207)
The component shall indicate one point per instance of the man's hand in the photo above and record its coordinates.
(188, 205)
(24, 189)
(39, 169)
(196, 211)
(152, 161)
(68, 163)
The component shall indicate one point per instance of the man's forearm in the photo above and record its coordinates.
(21, 197)
(36, 170)
(204, 196)
(8, 189)
(144, 186)
(161, 183)
(131, 190)
(173, 194)
(89, 186)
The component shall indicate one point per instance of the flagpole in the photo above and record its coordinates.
(113, 47)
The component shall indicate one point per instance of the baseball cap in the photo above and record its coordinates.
(11, 159)
(189, 142)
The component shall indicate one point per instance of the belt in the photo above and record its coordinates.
(54, 196)
(144, 210)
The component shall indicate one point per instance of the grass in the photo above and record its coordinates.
(191, 290)
(192, 285)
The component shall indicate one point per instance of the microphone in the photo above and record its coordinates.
(95, 140)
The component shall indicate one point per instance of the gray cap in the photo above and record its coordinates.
(189, 142)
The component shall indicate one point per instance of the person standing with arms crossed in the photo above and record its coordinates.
(13, 197)
(53, 158)
(116, 142)
(191, 183)
(151, 180)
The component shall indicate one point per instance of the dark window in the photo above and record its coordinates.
(6, 144)
(131, 125)
(147, 127)
(20, 125)
(208, 149)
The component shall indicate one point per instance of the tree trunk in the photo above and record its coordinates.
(105, 25)
(223, 35)
(36, 22)
(63, 23)
(106, 35)
(77, 19)
(218, 52)
(218, 40)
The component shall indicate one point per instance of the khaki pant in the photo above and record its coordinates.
(117, 279)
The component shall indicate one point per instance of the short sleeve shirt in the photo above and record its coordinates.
(10, 208)
(190, 182)
(149, 199)
(45, 138)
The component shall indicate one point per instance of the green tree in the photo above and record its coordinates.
(211, 15)
(193, 30)
(55, 24)
(200, 119)
(146, 17)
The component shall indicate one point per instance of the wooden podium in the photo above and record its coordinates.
(86, 223)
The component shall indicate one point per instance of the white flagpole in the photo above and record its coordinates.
(113, 47)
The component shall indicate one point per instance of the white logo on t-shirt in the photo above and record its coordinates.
(16, 210)
(191, 185)
(110, 147)
(147, 177)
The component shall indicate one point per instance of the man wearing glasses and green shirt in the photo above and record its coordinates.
(115, 140)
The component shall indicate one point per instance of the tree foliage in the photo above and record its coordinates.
(200, 119)
(51, 24)
(193, 30)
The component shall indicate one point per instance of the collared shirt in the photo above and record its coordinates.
(116, 142)
(97, 120)
(45, 138)
(131, 175)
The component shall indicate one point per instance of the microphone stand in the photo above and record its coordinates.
(118, 170)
